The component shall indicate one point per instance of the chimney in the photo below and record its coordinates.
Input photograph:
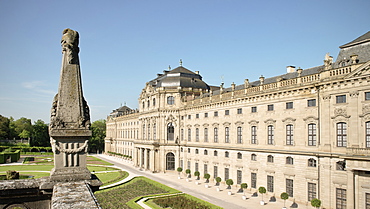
(290, 69)
(197, 72)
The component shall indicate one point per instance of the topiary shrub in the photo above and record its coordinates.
(284, 196)
(207, 176)
(316, 203)
(197, 174)
(218, 180)
(262, 190)
(229, 182)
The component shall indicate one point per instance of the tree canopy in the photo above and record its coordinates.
(96, 143)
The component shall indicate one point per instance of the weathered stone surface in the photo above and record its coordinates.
(70, 117)
(73, 195)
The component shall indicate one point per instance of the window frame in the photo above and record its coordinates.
(289, 160)
(341, 134)
(340, 99)
(170, 100)
(312, 131)
(289, 134)
(239, 138)
(289, 105)
(227, 134)
(253, 134)
(270, 134)
(311, 103)
(270, 107)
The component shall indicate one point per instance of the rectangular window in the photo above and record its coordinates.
(197, 134)
(196, 166)
(254, 180)
(254, 134)
(289, 187)
(227, 112)
(239, 135)
(215, 135)
(206, 115)
(239, 111)
(289, 135)
(341, 134)
(270, 134)
(188, 165)
(270, 183)
(182, 134)
(215, 114)
(312, 134)
(311, 102)
(367, 126)
(367, 95)
(367, 200)
(340, 99)
(270, 107)
(311, 191)
(254, 109)
(205, 168)
(181, 163)
(227, 135)
(341, 200)
(289, 105)
(189, 134)
(189, 117)
(205, 134)
(215, 171)
(197, 115)
(226, 174)
(239, 177)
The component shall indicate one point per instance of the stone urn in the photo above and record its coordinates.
(229, 193)
(244, 197)
(262, 202)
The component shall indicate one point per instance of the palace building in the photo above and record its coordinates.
(305, 132)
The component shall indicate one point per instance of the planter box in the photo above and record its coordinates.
(244, 197)
(217, 189)
(197, 183)
(229, 193)
(262, 202)
(206, 186)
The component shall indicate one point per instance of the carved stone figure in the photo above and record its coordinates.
(70, 41)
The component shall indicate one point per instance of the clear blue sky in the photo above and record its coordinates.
(125, 43)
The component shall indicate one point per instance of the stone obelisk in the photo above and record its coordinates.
(70, 117)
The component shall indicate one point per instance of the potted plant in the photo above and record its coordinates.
(284, 196)
(244, 186)
(229, 182)
(218, 180)
(262, 190)
(179, 169)
(197, 174)
(316, 203)
(207, 176)
(187, 171)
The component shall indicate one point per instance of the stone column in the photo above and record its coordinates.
(351, 189)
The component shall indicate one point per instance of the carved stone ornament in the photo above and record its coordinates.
(340, 112)
(70, 41)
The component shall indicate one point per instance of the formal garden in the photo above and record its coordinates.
(37, 165)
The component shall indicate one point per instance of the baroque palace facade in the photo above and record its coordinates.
(306, 132)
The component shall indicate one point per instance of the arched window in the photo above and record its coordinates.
(367, 125)
(196, 151)
(289, 160)
(239, 155)
(289, 134)
(215, 153)
(270, 134)
(239, 135)
(215, 135)
(227, 135)
(170, 161)
(226, 154)
(311, 134)
(205, 134)
(170, 132)
(270, 159)
(205, 152)
(311, 162)
(254, 157)
(154, 132)
(341, 134)
(153, 102)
